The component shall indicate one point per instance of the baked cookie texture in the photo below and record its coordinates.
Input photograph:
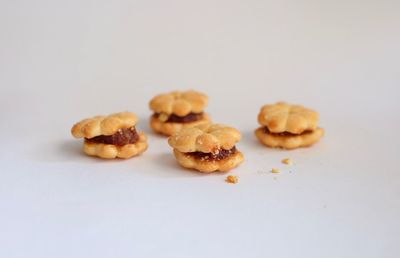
(289, 142)
(283, 117)
(207, 148)
(110, 151)
(180, 103)
(177, 110)
(288, 126)
(169, 128)
(112, 136)
(103, 125)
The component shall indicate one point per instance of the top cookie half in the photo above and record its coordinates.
(103, 125)
(206, 138)
(283, 117)
(180, 103)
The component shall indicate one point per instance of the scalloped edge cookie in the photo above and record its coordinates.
(170, 128)
(284, 117)
(110, 151)
(206, 138)
(103, 125)
(291, 141)
(223, 165)
(180, 103)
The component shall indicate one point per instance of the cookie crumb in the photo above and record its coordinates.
(232, 179)
(287, 161)
(163, 117)
(275, 171)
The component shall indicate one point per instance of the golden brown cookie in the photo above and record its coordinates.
(176, 110)
(288, 126)
(207, 147)
(169, 128)
(112, 136)
(179, 103)
(289, 141)
(282, 117)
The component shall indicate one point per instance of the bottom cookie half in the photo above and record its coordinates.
(109, 151)
(289, 141)
(207, 166)
(169, 128)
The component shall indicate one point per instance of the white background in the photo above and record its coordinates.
(62, 61)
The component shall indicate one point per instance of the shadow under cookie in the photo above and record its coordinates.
(167, 167)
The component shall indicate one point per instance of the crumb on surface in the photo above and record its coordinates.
(232, 179)
(287, 161)
(275, 170)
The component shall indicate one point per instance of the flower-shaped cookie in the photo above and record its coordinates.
(176, 110)
(288, 126)
(112, 136)
(207, 147)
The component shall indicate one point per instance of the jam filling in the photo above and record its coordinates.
(191, 117)
(120, 138)
(267, 131)
(222, 154)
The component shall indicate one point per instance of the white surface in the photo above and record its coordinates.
(62, 61)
